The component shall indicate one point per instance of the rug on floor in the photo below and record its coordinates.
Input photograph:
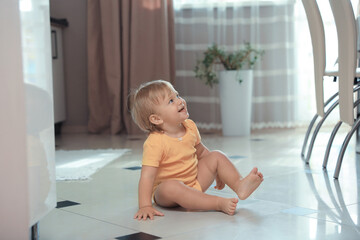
(75, 165)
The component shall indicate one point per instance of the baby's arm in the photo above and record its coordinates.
(145, 191)
(201, 151)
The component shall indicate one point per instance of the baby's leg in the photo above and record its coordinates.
(216, 163)
(173, 193)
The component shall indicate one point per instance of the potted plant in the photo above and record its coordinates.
(243, 59)
(235, 80)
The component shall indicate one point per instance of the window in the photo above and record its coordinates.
(181, 4)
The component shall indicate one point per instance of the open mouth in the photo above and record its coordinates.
(181, 109)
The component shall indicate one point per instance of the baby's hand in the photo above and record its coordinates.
(219, 184)
(147, 212)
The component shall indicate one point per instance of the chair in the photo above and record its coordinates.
(319, 51)
(348, 73)
(317, 34)
(347, 36)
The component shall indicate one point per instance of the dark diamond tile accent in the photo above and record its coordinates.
(138, 236)
(63, 204)
(133, 168)
(257, 139)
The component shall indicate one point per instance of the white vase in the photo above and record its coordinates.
(235, 102)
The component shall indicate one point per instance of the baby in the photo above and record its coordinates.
(177, 168)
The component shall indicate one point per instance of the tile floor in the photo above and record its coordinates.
(295, 201)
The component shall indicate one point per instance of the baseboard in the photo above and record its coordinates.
(74, 129)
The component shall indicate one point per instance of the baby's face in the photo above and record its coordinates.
(172, 109)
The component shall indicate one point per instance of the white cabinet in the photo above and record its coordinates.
(58, 75)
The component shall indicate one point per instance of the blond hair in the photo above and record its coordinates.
(143, 100)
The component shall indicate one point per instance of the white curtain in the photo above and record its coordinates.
(267, 25)
(283, 95)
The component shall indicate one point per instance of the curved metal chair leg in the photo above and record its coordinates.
(312, 124)
(307, 135)
(317, 129)
(343, 148)
(311, 145)
(328, 147)
(346, 143)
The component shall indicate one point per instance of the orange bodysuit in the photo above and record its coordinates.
(175, 158)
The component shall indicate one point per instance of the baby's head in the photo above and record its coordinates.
(144, 100)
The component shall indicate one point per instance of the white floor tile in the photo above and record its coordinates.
(295, 201)
(277, 226)
(60, 225)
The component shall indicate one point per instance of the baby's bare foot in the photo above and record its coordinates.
(248, 185)
(228, 205)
